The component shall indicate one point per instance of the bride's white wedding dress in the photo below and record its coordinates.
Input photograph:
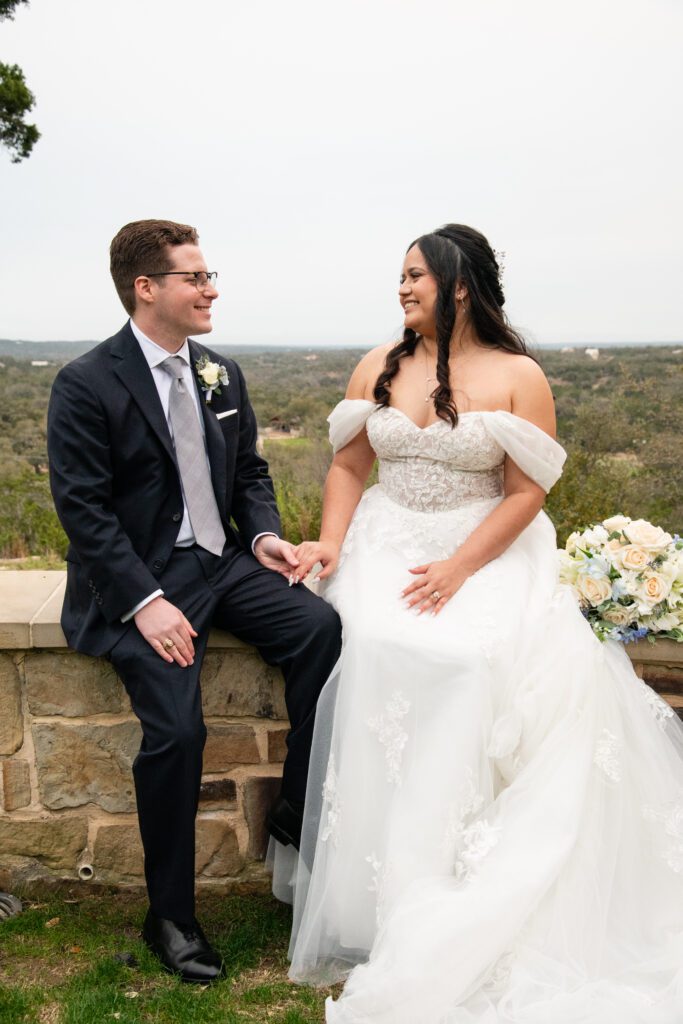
(495, 805)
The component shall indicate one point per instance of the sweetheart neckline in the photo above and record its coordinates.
(472, 412)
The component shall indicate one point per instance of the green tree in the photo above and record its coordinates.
(16, 100)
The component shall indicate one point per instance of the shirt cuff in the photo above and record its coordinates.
(258, 536)
(129, 615)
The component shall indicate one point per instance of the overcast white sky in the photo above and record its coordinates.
(311, 141)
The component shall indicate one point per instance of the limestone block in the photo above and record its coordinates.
(260, 792)
(238, 683)
(11, 721)
(230, 744)
(118, 850)
(55, 841)
(16, 784)
(73, 685)
(277, 745)
(79, 764)
(219, 793)
(218, 853)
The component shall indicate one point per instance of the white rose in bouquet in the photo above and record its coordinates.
(620, 615)
(653, 588)
(615, 524)
(660, 623)
(569, 568)
(572, 542)
(594, 589)
(633, 557)
(654, 538)
(595, 536)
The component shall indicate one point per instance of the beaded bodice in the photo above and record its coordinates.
(436, 468)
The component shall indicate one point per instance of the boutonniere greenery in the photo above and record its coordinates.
(211, 376)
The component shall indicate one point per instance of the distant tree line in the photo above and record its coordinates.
(620, 419)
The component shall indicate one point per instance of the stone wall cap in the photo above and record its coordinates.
(31, 605)
(23, 595)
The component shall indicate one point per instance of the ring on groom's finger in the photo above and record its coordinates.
(167, 644)
(435, 596)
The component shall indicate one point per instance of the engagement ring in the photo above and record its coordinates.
(167, 644)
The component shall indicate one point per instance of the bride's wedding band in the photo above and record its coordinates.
(167, 644)
(435, 595)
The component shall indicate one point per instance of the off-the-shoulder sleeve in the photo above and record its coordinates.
(347, 419)
(534, 451)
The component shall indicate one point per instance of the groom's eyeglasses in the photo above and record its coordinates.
(201, 279)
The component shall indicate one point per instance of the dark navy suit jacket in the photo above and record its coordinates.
(116, 485)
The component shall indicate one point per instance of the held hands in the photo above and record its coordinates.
(166, 629)
(278, 555)
(436, 582)
(313, 551)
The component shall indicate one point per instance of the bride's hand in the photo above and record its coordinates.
(313, 551)
(436, 583)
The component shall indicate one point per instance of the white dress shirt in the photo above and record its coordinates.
(155, 355)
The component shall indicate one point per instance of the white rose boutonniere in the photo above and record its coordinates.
(211, 376)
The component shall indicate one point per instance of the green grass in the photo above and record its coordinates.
(63, 962)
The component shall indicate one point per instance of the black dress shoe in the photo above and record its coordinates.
(182, 948)
(284, 821)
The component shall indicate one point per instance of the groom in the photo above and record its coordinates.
(152, 445)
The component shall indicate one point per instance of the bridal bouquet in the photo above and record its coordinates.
(628, 577)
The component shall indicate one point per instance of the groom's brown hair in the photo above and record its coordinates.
(140, 248)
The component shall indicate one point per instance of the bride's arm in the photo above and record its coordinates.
(532, 400)
(345, 480)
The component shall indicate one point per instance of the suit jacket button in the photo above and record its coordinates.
(176, 517)
(157, 564)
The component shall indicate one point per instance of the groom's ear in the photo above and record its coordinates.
(143, 291)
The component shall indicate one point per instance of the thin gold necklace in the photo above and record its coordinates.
(428, 380)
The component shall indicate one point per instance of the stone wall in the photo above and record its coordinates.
(68, 739)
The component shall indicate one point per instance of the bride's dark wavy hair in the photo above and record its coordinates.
(456, 254)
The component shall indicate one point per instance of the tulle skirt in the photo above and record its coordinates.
(494, 820)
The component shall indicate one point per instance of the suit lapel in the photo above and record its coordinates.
(215, 442)
(132, 369)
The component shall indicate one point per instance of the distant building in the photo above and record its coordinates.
(568, 348)
(593, 353)
(39, 362)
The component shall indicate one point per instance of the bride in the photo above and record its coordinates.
(493, 831)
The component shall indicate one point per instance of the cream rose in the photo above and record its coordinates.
(619, 615)
(653, 588)
(594, 589)
(210, 373)
(615, 523)
(632, 556)
(654, 538)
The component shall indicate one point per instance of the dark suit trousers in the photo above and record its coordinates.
(290, 627)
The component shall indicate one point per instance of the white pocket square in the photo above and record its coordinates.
(222, 415)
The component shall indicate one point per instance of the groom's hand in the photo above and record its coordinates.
(166, 629)
(278, 555)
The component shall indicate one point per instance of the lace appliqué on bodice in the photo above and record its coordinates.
(437, 468)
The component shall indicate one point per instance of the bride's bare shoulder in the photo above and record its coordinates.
(363, 379)
(531, 395)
